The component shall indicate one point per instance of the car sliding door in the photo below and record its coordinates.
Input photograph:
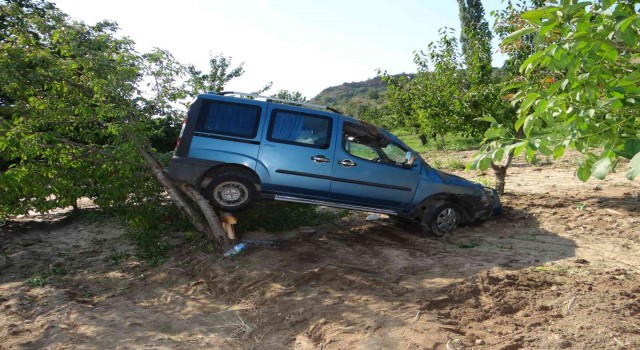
(297, 152)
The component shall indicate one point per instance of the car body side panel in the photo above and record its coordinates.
(225, 151)
(433, 182)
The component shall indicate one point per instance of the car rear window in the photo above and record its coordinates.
(227, 118)
(300, 129)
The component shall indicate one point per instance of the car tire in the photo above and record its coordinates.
(441, 218)
(231, 192)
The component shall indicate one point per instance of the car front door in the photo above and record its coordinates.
(297, 152)
(369, 169)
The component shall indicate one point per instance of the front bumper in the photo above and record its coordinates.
(497, 205)
(492, 205)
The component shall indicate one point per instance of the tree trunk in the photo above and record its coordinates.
(216, 229)
(501, 175)
(501, 170)
(212, 231)
(423, 139)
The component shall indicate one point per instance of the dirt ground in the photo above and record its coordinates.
(559, 269)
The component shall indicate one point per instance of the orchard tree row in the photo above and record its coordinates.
(570, 82)
(82, 114)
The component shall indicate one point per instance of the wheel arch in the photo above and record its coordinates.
(228, 168)
(449, 197)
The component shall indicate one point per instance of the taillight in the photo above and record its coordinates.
(184, 124)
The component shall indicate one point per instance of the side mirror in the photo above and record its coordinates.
(409, 159)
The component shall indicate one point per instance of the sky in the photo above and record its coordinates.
(300, 45)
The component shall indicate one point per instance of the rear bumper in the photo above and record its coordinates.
(189, 170)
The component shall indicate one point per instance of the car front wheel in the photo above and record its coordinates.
(441, 218)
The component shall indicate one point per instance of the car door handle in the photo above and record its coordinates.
(320, 159)
(347, 163)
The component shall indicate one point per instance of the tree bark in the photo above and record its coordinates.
(210, 231)
(501, 175)
(501, 170)
(216, 231)
(423, 139)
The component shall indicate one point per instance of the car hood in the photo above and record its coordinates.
(455, 180)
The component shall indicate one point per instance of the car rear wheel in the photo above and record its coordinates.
(441, 218)
(231, 192)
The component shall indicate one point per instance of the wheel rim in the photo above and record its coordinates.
(447, 220)
(230, 193)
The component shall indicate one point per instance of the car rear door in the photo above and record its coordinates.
(296, 154)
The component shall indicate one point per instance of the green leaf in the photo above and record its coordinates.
(574, 8)
(531, 152)
(497, 155)
(492, 133)
(528, 101)
(520, 122)
(548, 26)
(485, 163)
(607, 3)
(518, 34)
(558, 152)
(601, 168)
(635, 167)
(631, 147)
(542, 148)
(584, 172)
(540, 13)
(487, 118)
(518, 148)
(530, 61)
(629, 37)
(528, 124)
(622, 25)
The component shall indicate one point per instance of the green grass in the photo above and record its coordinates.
(116, 258)
(453, 142)
(485, 181)
(468, 245)
(283, 216)
(42, 279)
(38, 280)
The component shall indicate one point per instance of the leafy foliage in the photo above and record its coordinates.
(69, 99)
(475, 38)
(290, 95)
(582, 77)
(221, 72)
(517, 37)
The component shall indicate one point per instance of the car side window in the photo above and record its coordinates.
(365, 142)
(301, 129)
(233, 119)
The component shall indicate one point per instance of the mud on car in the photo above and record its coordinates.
(237, 148)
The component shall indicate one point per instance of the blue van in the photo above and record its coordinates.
(238, 147)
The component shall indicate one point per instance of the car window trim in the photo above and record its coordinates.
(202, 119)
(272, 123)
